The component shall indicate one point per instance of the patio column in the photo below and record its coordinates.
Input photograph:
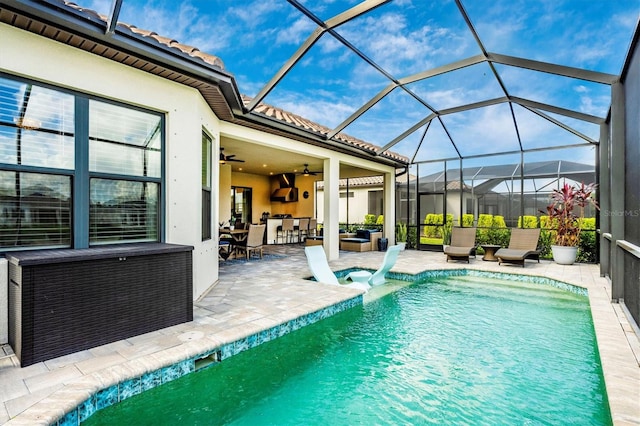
(604, 192)
(389, 207)
(617, 174)
(331, 195)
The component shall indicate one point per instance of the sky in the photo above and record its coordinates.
(254, 39)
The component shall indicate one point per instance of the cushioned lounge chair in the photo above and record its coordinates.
(463, 244)
(523, 244)
(317, 261)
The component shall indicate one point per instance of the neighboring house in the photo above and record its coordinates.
(359, 197)
(118, 120)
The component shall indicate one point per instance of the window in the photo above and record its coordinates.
(376, 202)
(206, 186)
(241, 200)
(123, 210)
(76, 171)
(34, 209)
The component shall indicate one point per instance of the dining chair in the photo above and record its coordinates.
(254, 241)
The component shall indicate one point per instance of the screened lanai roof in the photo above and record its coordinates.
(484, 179)
(427, 79)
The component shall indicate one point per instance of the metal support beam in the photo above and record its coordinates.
(364, 108)
(603, 176)
(112, 19)
(294, 59)
(474, 105)
(311, 40)
(560, 124)
(546, 67)
(557, 110)
(408, 132)
(443, 69)
(617, 174)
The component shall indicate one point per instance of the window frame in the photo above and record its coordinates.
(81, 175)
(207, 186)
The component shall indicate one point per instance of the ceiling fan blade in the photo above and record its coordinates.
(307, 172)
(225, 158)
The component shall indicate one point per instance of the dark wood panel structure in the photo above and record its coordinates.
(65, 301)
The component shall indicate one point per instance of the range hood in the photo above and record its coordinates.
(285, 195)
(287, 192)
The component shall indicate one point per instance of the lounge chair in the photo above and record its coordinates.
(317, 260)
(390, 258)
(463, 244)
(523, 244)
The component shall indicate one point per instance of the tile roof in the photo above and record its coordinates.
(367, 181)
(152, 37)
(296, 120)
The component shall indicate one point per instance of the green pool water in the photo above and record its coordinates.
(460, 350)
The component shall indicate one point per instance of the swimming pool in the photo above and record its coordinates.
(454, 350)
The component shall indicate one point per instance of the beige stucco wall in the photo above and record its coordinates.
(261, 187)
(28, 55)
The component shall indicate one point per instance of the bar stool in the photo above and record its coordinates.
(303, 228)
(313, 225)
(286, 231)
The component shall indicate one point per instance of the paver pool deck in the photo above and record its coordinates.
(256, 295)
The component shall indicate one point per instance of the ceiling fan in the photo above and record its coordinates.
(307, 172)
(228, 158)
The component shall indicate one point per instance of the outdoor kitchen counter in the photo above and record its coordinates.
(272, 228)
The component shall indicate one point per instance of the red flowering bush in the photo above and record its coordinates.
(566, 211)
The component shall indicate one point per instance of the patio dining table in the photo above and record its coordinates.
(237, 236)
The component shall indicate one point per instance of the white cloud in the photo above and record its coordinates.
(296, 33)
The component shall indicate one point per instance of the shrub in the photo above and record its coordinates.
(588, 239)
(370, 219)
(430, 231)
(467, 220)
(401, 232)
(412, 237)
(380, 220)
(492, 230)
(527, 222)
(498, 222)
(434, 227)
(485, 221)
(544, 244)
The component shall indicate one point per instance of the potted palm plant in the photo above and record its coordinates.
(446, 235)
(401, 234)
(566, 211)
